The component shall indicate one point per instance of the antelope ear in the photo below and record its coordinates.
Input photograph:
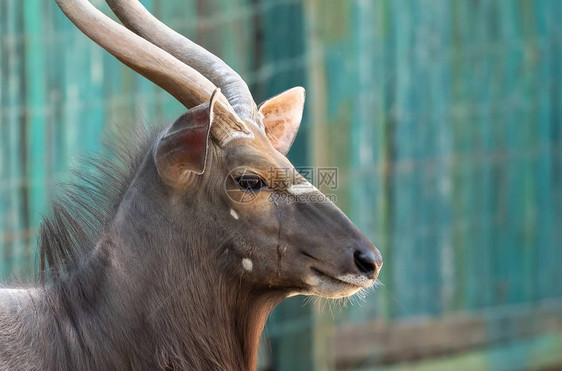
(282, 117)
(181, 152)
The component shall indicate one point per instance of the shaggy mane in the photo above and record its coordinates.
(84, 205)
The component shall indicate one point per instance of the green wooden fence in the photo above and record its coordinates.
(443, 117)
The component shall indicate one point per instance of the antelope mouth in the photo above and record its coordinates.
(328, 286)
(351, 280)
(333, 280)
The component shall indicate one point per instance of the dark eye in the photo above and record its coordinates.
(251, 183)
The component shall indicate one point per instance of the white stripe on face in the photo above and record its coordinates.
(302, 188)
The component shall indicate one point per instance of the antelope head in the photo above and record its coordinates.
(214, 162)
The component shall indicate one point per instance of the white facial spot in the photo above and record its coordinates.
(302, 188)
(234, 214)
(247, 264)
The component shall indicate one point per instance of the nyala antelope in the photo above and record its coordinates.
(152, 263)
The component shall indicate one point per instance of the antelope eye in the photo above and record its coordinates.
(250, 183)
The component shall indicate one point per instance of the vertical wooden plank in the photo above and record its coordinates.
(4, 176)
(19, 111)
(92, 101)
(234, 38)
(17, 241)
(484, 191)
(500, 245)
(385, 141)
(363, 175)
(543, 162)
(439, 188)
(318, 151)
(406, 244)
(189, 13)
(116, 94)
(551, 236)
(421, 156)
(384, 152)
(143, 93)
(69, 127)
(530, 132)
(35, 90)
(442, 279)
(15, 222)
(73, 70)
(555, 97)
(460, 24)
(5, 137)
(468, 143)
(320, 34)
(513, 258)
(282, 46)
(54, 144)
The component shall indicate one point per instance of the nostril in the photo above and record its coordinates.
(365, 261)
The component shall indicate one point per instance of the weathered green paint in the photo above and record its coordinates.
(280, 67)
(455, 159)
(35, 104)
(443, 117)
(535, 353)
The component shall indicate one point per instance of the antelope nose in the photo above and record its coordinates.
(368, 262)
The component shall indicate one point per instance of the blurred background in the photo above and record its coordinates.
(442, 117)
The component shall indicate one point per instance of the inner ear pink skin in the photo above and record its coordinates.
(282, 117)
